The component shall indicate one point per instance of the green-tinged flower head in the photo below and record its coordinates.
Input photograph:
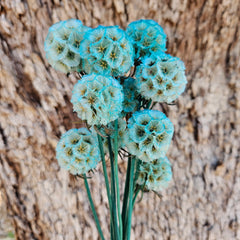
(97, 99)
(155, 175)
(77, 151)
(107, 50)
(109, 130)
(62, 45)
(130, 95)
(149, 134)
(147, 37)
(161, 78)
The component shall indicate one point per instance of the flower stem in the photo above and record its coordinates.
(116, 175)
(134, 176)
(113, 190)
(93, 208)
(136, 191)
(135, 196)
(136, 172)
(130, 207)
(100, 144)
(149, 104)
(125, 197)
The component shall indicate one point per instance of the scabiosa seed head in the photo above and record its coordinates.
(62, 45)
(97, 99)
(107, 50)
(161, 78)
(155, 175)
(77, 151)
(149, 134)
(147, 37)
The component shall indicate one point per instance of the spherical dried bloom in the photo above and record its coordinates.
(130, 101)
(149, 135)
(109, 130)
(107, 50)
(97, 99)
(161, 78)
(147, 37)
(155, 175)
(62, 45)
(77, 151)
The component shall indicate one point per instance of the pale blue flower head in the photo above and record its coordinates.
(77, 151)
(62, 45)
(149, 134)
(108, 50)
(161, 78)
(97, 99)
(147, 37)
(155, 175)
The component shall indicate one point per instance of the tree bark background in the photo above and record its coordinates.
(45, 202)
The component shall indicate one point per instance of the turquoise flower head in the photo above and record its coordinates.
(147, 37)
(107, 50)
(97, 99)
(77, 151)
(155, 175)
(161, 78)
(62, 45)
(149, 135)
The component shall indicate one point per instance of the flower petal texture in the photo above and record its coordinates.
(161, 78)
(77, 151)
(62, 45)
(107, 50)
(97, 99)
(147, 37)
(155, 175)
(149, 135)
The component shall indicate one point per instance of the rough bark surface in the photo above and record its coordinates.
(45, 202)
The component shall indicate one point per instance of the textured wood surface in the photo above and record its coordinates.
(44, 202)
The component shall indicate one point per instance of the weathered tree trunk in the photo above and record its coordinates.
(45, 202)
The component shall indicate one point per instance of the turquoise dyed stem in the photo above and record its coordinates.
(116, 175)
(104, 169)
(136, 191)
(100, 144)
(93, 208)
(130, 207)
(136, 172)
(125, 198)
(135, 196)
(149, 104)
(113, 191)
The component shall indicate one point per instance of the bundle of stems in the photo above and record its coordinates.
(120, 219)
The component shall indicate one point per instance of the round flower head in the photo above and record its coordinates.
(107, 50)
(122, 125)
(77, 151)
(155, 175)
(129, 89)
(149, 135)
(161, 78)
(97, 99)
(62, 45)
(147, 37)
